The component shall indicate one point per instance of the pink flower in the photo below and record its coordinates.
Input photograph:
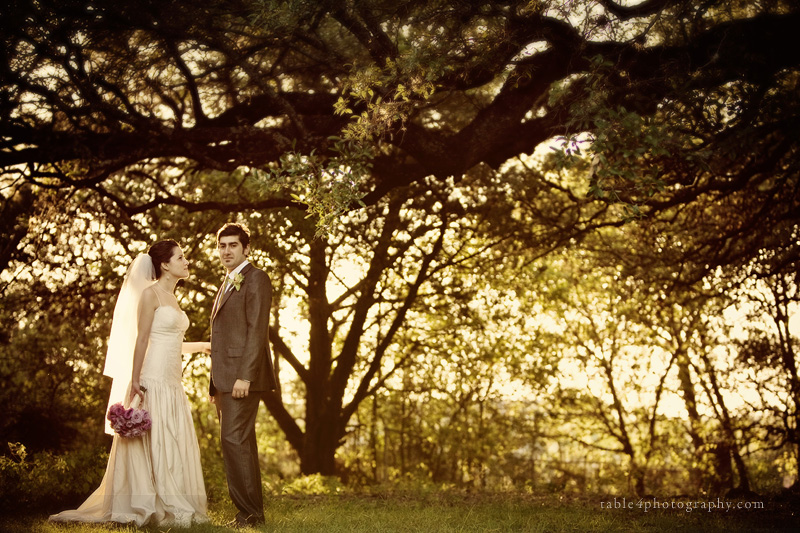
(129, 423)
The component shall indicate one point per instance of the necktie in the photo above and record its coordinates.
(219, 296)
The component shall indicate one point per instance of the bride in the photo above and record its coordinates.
(155, 479)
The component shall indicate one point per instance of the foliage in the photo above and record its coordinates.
(314, 484)
(53, 336)
(44, 481)
(328, 186)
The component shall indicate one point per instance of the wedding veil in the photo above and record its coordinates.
(119, 357)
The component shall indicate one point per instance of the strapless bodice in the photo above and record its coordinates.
(163, 359)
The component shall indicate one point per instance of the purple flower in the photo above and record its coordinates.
(129, 423)
(115, 411)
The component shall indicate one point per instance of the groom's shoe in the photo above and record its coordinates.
(255, 520)
(236, 523)
(245, 521)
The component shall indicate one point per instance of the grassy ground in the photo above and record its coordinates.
(448, 512)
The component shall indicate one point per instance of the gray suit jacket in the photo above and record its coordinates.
(240, 335)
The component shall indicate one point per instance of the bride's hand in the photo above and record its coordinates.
(206, 347)
(136, 390)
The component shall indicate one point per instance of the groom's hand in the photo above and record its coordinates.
(241, 389)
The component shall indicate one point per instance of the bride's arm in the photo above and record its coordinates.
(144, 321)
(193, 347)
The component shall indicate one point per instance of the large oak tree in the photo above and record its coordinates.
(433, 87)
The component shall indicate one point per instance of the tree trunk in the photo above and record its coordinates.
(780, 315)
(731, 444)
(321, 429)
(695, 424)
(319, 448)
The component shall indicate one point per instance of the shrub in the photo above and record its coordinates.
(45, 481)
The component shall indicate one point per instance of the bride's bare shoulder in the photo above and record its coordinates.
(149, 298)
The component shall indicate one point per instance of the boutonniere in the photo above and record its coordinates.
(238, 279)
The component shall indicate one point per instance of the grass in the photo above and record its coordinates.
(445, 512)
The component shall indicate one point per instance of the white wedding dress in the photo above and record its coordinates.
(155, 479)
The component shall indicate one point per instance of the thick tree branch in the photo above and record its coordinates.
(399, 319)
(642, 9)
(284, 351)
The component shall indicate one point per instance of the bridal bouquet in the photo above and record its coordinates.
(129, 422)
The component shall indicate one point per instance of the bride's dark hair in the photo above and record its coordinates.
(162, 252)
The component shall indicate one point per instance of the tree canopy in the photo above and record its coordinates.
(155, 89)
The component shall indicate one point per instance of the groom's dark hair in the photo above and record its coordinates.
(233, 229)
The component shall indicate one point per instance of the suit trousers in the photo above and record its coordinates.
(240, 452)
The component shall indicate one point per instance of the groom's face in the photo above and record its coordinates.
(231, 252)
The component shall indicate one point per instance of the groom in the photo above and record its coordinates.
(241, 368)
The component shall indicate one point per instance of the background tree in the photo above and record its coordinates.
(771, 349)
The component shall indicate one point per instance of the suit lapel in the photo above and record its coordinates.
(228, 293)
